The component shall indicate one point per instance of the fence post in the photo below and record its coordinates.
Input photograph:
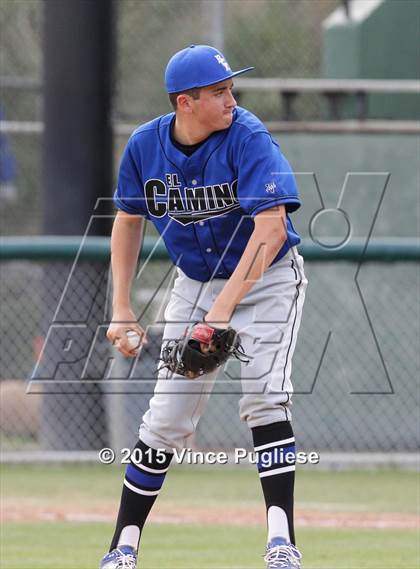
(77, 171)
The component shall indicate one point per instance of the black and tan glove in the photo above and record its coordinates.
(201, 350)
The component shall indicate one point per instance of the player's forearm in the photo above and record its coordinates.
(125, 247)
(262, 248)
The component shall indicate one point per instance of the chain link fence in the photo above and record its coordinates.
(354, 370)
(280, 38)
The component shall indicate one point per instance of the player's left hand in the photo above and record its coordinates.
(201, 350)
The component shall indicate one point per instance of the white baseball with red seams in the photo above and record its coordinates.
(134, 340)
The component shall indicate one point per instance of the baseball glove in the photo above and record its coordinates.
(201, 350)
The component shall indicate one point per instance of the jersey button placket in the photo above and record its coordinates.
(206, 242)
(202, 229)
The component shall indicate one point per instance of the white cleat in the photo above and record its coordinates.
(282, 554)
(124, 557)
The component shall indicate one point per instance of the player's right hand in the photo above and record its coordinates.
(122, 322)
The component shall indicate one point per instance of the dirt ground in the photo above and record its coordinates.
(232, 516)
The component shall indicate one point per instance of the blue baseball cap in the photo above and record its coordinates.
(197, 66)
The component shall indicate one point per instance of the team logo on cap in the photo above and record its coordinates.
(220, 59)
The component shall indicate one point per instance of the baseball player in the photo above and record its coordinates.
(216, 186)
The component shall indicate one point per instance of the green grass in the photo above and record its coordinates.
(377, 491)
(80, 546)
(68, 545)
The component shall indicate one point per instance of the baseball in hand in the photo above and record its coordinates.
(134, 340)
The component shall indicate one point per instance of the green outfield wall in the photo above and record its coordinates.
(365, 163)
(380, 40)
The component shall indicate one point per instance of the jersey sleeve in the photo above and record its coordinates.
(129, 195)
(265, 178)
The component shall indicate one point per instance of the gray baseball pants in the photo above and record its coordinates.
(267, 320)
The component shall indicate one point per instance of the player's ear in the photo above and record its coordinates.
(184, 103)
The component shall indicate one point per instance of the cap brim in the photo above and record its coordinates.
(234, 74)
(200, 85)
(242, 71)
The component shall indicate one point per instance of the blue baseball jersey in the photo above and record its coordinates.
(203, 205)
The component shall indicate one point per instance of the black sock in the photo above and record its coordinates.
(143, 480)
(272, 443)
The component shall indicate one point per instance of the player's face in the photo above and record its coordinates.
(214, 109)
